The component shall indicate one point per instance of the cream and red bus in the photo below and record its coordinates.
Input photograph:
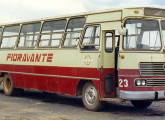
(112, 55)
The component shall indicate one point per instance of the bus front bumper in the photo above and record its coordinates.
(142, 95)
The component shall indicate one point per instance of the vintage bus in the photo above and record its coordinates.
(112, 55)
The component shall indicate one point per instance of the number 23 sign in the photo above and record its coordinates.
(123, 83)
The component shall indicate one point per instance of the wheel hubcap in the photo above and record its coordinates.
(91, 95)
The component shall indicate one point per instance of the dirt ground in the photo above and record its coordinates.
(37, 106)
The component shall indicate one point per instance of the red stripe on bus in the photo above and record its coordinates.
(52, 70)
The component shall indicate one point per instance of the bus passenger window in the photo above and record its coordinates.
(52, 32)
(29, 35)
(73, 32)
(91, 38)
(108, 42)
(10, 36)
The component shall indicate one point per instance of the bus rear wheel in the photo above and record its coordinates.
(90, 98)
(8, 87)
(142, 104)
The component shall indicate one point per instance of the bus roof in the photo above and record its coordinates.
(77, 15)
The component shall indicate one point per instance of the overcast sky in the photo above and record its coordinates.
(19, 10)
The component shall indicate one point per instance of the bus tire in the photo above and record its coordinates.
(8, 87)
(90, 98)
(142, 104)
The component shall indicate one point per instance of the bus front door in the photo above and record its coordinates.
(108, 64)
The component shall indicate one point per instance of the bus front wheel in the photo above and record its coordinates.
(8, 87)
(141, 103)
(90, 98)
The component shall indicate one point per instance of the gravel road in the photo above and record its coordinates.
(36, 106)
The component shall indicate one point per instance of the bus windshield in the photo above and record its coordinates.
(142, 35)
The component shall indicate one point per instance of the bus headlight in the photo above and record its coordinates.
(140, 82)
(143, 82)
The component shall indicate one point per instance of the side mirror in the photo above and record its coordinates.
(122, 31)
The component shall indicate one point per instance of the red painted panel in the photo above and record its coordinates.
(108, 71)
(53, 70)
(129, 72)
(68, 71)
(41, 83)
(28, 79)
(88, 72)
(52, 84)
(48, 83)
(19, 80)
(29, 82)
(6, 67)
(66, 86)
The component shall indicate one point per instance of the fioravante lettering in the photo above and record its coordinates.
(35, 57)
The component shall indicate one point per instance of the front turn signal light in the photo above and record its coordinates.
(122, 56)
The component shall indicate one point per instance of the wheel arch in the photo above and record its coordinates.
(80, 86)
(2, 75)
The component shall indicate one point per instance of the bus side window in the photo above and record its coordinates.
(108, 42)
(52, 32)
(74, 29)
(10, 36)
(91, 38)
(29, 35)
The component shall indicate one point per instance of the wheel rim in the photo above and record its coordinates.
(91, 95)
(7, 85)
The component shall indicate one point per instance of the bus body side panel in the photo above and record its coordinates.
(43, 79)
(66, 84)
(89, 68)
(60, 75)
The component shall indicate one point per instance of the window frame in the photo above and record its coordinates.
(163, 37)
(65, 33)
(38, 35)
(17, 36)
(49, 33)
(83, 34)
(142, 18)
(113, 38)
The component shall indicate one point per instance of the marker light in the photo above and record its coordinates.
(136, 12)
(122, 56)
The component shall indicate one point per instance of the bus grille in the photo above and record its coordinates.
(152, 68)
(155, 82)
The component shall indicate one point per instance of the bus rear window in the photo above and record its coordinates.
(10, 36)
